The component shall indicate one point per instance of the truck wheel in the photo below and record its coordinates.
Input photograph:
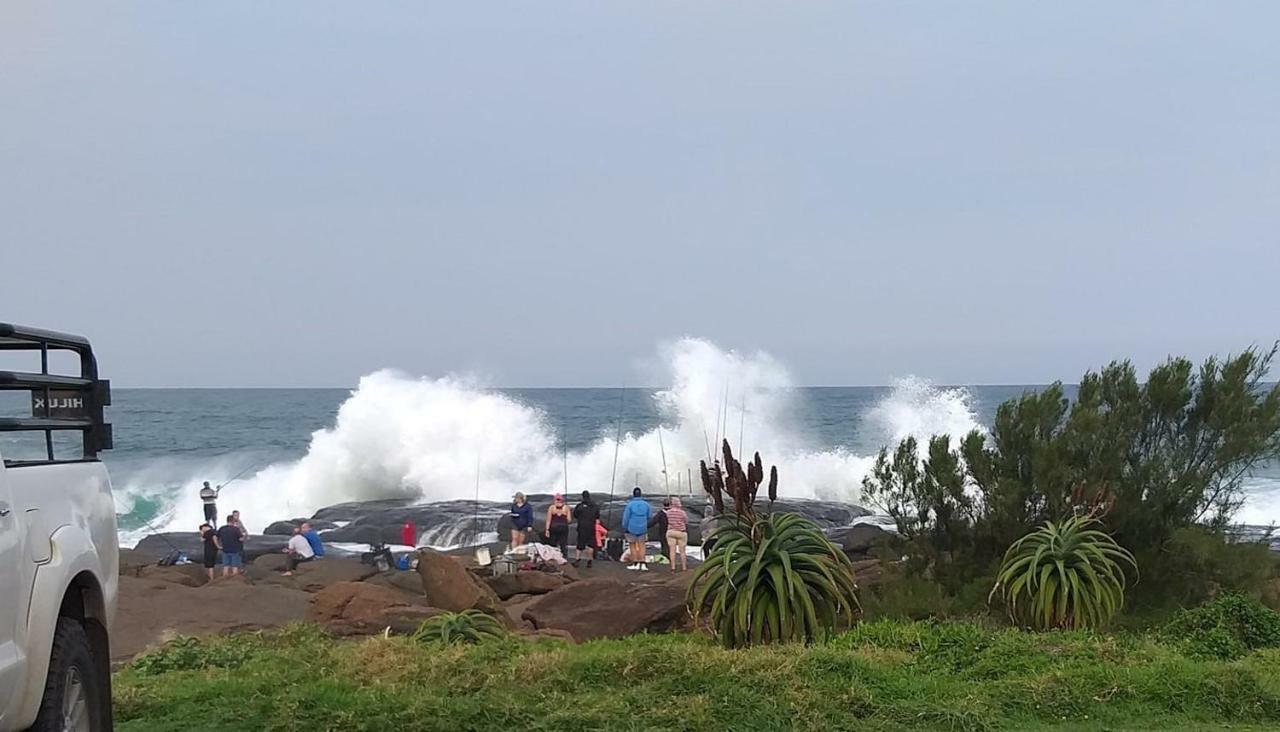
(73, 692)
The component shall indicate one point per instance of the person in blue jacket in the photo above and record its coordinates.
(521, 520)
(635, 524)
(313, 538)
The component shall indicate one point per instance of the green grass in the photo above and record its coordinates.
(883, 675)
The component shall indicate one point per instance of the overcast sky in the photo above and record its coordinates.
(293, 194)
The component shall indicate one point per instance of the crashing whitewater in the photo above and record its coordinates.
(397, 436)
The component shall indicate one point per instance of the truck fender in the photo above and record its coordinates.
(74, 564)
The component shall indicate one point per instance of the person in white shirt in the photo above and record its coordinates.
(299, 551)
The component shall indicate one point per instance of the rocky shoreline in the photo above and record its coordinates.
(349, 597)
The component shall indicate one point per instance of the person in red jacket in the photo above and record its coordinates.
(601, 534)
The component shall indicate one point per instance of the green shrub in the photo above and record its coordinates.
(468, 626)
(1226, 628)
(1199, 563)
(769, 578)
(185, 653)
(1064, 575)
(1161, 454)
(776, 579)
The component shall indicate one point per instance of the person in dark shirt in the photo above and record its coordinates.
(586, 514)
(660, 520)
(209, 538)
(521, 520)
(231, 538)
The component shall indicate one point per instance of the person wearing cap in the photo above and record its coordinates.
(521, 519)
(557, 527)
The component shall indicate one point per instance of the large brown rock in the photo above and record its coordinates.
(449, 586)
(526, 583)
(408, 582)
(188, 575)
(361, 608)
(859, 539)
(606, 608)
(310, 576)
(153, 611)
(132, 562)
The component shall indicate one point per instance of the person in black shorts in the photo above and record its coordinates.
(209, 537)
(586, 514)
(209, 497)
(557, 527)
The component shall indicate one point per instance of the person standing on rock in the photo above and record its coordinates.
(521, 520)
(299, 551)
(244, 533)
(677, 532)
(209, 497)
(586, 514)
(659, 520)
(231, 539)
(635, 524)
(209, 538)
(557, 527)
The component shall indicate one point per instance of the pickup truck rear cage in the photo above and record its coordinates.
(81, 398)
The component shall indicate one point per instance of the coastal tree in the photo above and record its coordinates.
(1160, 455)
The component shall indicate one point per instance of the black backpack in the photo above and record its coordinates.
(613, 547)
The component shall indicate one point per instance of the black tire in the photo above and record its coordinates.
(72, 663)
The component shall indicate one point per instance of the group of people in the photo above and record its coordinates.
(591, 533)
(672, 523)
(228, 540)
(637, 518)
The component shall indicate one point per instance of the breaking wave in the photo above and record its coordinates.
(398, 436)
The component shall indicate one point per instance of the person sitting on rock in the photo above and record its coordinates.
(587, 514)
(635, 524)
(313, 538)
(299, 551)
(521, 520)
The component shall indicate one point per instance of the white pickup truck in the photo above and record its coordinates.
(59, 558)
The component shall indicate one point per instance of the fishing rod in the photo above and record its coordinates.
(742, 426)
(663, 452)
(565, 453)
(476, 514)
(236, 477)
(617, 445)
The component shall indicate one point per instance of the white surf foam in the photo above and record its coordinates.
(400, 436)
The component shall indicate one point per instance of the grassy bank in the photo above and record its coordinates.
(882, 675)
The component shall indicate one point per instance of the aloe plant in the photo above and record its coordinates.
(468, 626)
(1064, 575)
(771, 578)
